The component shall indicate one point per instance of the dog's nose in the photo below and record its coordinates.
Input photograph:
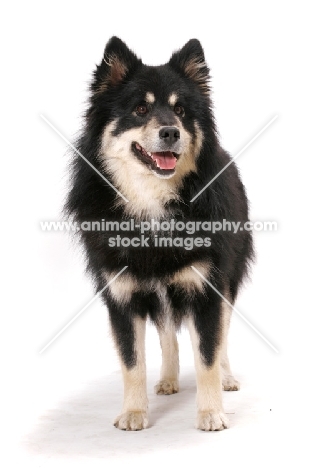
(169, 134)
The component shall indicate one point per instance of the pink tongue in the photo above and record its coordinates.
(165, 160)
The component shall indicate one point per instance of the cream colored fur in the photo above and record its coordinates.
(229, 383)
(173, 98)
(134, 411)
(210, 415)
(147, 193)
(169, 373)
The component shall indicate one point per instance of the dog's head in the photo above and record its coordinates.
(151, 114)
(150, 119)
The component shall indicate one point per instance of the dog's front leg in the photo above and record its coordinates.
(129, 336)
(205, 333)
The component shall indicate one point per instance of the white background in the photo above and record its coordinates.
(58, 407)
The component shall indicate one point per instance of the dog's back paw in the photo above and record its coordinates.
(166, 387)
(132, 421)
(230, 384)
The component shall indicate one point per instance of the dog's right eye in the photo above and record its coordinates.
(141, 109)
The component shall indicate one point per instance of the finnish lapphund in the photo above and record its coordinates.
(148, 168)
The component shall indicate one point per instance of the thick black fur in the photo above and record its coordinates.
(90, 198)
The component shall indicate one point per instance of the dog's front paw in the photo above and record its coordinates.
(166, 387)
(132, 421)
(209, 421)
(230, 384)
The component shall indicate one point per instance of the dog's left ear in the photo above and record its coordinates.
(117, 63)
(190, 61)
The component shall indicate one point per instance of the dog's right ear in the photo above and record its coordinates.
(117, 63)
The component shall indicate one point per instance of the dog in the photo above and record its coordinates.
(150, 169)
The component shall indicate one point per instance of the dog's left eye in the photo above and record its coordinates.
(141, 109)
(179, 110)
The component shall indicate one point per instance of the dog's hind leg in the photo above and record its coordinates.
(229, 383)
(169, 373)
(129, 336)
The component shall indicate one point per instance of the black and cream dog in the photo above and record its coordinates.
(150, 132)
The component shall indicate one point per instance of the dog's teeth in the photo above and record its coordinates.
(149, 154)
(138, 146)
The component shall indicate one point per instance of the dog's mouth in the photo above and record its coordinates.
(162, 162)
